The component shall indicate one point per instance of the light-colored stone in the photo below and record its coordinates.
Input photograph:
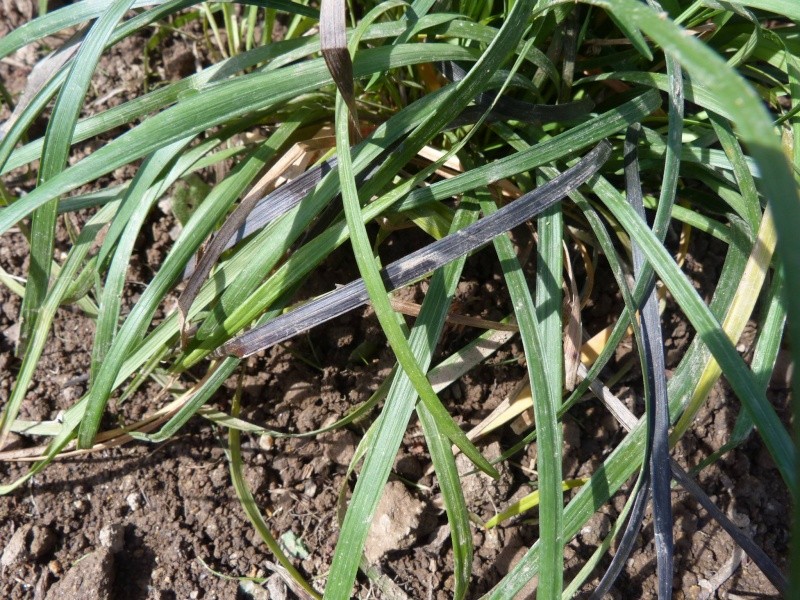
(134, 501)
(112, 536)
(91, 578)
(250, 589)
(396, 520)
(17, 548)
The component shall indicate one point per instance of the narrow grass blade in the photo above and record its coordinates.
(548, 301)
(391, 425)
(437, 300)
(54, 159)
(47, 312)
(194, 233)
(380, 301)
(548, 430)
(747, 184)
(250, 506)
(136, 205)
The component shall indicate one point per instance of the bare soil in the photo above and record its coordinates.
(162, 521)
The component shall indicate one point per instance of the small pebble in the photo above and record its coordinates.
(112, 537)
(134, 501)
(266, 442)
(16, 549)
(55, 567)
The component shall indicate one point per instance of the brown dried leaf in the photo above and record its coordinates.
(333, 43)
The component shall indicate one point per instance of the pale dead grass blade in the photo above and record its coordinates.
(412, 309)
(573, 329)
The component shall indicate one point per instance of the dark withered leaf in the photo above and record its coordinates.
(242, 222)
(255, 213)
(333, 44)
(422, 261)
(656, 386)
(655, 381)
(655, 476)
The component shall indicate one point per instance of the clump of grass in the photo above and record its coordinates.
(538, 104)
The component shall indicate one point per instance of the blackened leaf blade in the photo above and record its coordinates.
(422, 261)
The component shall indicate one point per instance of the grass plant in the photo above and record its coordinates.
(575, 116)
